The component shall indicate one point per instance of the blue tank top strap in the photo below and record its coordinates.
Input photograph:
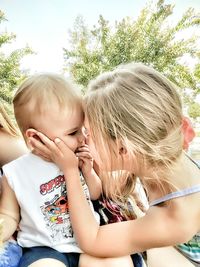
(181, 193)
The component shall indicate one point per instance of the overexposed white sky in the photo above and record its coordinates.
(44, 24)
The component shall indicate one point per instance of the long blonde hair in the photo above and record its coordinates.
(6, 123)
(140, 107)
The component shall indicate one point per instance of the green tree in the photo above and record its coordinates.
(194, 110)
(197, 76)
(151, 39)
(10, 73)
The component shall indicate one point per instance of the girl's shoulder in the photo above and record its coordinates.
(10, 148)
(177, 194)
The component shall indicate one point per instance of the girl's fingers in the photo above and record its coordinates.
(82, 161)
(49, 144)
(66, 153)
(84, 155)
(83, 148)
(44, 157)
(45, 140)
(44, 147)
(62, 147)
(38, 147)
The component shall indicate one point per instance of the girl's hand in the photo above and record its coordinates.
(38, 148)
(56, 151)
(85, 160)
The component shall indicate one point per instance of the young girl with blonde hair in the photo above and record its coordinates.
(134, 120)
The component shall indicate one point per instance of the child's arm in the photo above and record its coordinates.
(9, 210)
(91, 178)
(161, 226)
(94, 185)
(158, 228)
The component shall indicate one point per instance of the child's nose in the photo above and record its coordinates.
(81, 137)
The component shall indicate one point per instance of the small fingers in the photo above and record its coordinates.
(51, 146)
(38, 147)
(84, 151)
(45, 140)
(83, 159)
(63, 148)
(41, 155)
(44, 147)
(83, 148)
(84, 155)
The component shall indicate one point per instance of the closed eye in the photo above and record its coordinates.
(73, 133)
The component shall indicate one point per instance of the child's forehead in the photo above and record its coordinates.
(71, 113)
(56, 113)
(72, 109)
(59, 120)
(55, 107)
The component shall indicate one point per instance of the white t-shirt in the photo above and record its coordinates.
(41, 192)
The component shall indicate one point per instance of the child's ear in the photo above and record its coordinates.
(30, 132)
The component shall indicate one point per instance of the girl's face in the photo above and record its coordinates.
(112, 159)
(91, 144)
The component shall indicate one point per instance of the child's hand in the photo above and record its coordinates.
(85, 160)
(56, 151)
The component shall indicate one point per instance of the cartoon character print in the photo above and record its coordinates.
(55, 209)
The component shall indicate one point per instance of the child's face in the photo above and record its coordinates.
(66, 124)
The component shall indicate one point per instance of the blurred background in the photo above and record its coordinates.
(84, 38)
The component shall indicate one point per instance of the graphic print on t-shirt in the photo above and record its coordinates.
(55, 208)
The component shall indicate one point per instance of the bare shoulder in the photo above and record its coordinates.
(192, 211)
(10, 147)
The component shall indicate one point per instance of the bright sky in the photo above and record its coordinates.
(44, 24)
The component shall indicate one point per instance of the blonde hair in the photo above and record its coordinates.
(39, 93)
(6, 123)
(140, 107)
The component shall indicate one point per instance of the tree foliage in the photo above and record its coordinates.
(10, 73)
(194, 110)
(151, 39)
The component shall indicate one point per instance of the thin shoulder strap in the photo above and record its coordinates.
(181, 193)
